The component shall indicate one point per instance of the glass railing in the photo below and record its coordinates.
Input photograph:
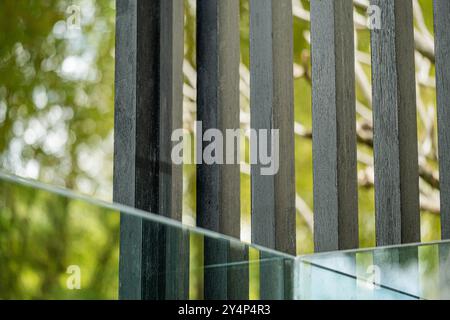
(416, 271)
(55, 244)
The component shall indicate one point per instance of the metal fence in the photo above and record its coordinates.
(149, 79)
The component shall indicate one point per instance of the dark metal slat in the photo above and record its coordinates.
(395, 125)
(442, 49)
(153, 258)
(218, 184)
(272, 108)
(334, 126)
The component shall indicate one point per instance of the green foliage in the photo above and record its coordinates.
(43, 234)
(56, 113)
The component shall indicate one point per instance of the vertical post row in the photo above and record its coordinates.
(442, 48)
(218, 177)
(334, 126)
(153, 259)
(272, 109)
(395, 125)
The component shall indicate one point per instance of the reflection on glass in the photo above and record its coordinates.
(418, 271)
(57, 245)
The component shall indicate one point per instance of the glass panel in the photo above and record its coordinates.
(55, 244)
(58, 245)
(418, 271)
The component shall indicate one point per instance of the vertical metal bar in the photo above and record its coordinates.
(334, 126)
(395, 125)
(271, 55)
(148, 101)
(171, 118)
(442, 49)
(273, 191)
(218, 181)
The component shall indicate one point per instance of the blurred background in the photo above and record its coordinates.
(56, 126)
